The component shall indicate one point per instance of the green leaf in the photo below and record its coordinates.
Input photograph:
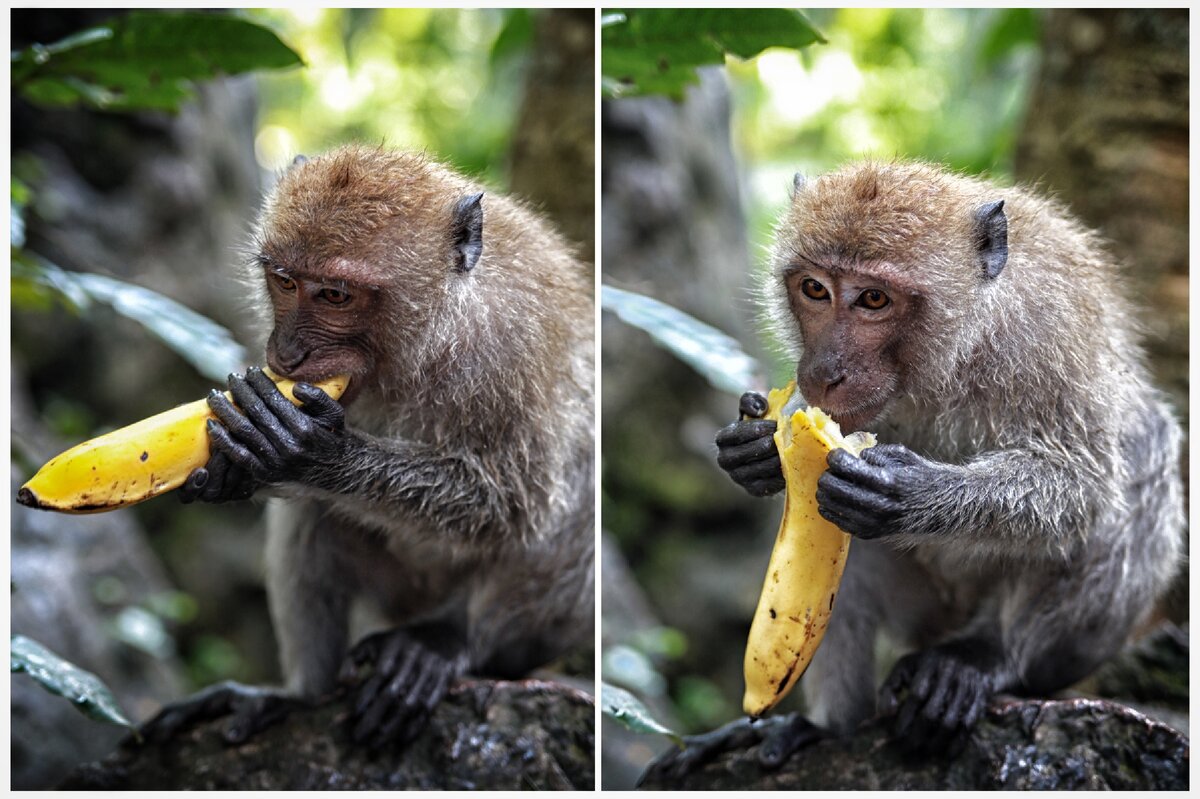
(657, 50)
(627, 710)
(146, 60)
(515, 36)
(719, 358)
(209, 347)
(87, 691)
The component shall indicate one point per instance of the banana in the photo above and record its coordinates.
(806, 562)
(137, 462)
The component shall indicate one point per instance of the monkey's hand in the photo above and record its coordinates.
(411, 673)
(871, 496)
(252, 710)
(746, 448)
(777, 739)
(937, 695)
(266, 440)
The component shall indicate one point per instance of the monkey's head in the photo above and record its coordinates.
(359, 251)
(876, 270)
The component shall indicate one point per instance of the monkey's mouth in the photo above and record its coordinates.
(860, 416)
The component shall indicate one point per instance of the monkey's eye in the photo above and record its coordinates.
(814, 290)
(283, 281)
(335, 296)
(873, 299)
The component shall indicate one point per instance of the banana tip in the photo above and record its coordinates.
(28, 498)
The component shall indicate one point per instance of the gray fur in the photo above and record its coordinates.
(1057, 516)
(468, 497)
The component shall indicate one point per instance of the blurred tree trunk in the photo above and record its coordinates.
(1107, 131)
(553, 150)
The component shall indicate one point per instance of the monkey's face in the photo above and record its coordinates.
(851, 328)
(322, 325)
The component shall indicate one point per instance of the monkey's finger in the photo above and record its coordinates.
(281, 408)
(890, 455)
(264, 432)
(369, 722)
(757, 470)
(841, 495)
(398, 684)
(321, 407)
(191, 489)
(220, 440)
(236, 424)
(217, 489)
(896, 682)
(855, 470)
(740, 432)
(853, 521)
(752, 405)
(730, 457)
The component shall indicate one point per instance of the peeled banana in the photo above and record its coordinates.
(137, 462)
(807, 561)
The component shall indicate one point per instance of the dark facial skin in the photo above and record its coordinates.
(850, 325)
(322, 325)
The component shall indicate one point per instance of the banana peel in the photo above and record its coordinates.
(806, 563)
(136, 462)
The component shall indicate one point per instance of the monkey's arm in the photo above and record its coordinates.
(274, 442)
(997, 499)
(746, 449)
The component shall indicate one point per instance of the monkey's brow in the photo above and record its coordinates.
(793, 267)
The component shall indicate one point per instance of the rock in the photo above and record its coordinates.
(486, 735)
(1028, 744)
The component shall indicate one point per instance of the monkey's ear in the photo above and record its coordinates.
(798, 181)
(467, 230)
(991, 237)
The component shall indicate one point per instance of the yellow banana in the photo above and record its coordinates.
(137, 462)
(806, 563)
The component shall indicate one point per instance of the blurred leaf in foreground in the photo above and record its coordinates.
(85, 690)
(718, 357)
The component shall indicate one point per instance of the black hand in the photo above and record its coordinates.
(409, 677)
(219, 480)
(938, 695)
(251, 709)
(871, 496)
(746, 449)
(271, 439)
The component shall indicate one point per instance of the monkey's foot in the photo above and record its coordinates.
(937, 696)
(776, 746)
(409, 677)
(252, 709)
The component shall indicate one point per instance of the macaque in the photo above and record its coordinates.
(1024, 507)
(450, 491)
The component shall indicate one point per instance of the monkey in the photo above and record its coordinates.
(450, 490)
(1024, 507)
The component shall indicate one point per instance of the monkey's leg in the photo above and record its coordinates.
(253, 709)
(309, 579)
(412, 668)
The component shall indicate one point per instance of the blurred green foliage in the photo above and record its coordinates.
(948, 85)
(657, 50)
(444, 79)
(144, 60)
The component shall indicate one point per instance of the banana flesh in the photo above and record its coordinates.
(806, 562)
(137, 462)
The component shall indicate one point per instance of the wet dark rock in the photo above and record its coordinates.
(523, 735)
(1030, 744)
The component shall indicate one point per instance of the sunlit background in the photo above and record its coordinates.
(944, 84)
(443, 79)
